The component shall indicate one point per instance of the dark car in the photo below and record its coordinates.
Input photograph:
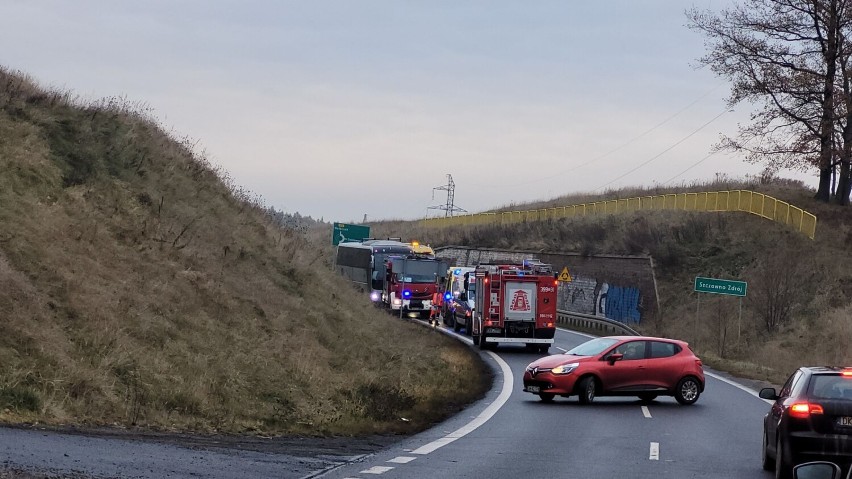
(810, 420)
(641, 366)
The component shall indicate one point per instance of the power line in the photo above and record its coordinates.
(691, 167)
(705, 158)
(625, 144)
(666, 150)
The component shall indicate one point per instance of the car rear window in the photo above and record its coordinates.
(825, 386)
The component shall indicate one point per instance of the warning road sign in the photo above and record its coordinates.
(565, 275)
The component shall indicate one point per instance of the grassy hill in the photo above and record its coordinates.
(139, 286)
(799, 306)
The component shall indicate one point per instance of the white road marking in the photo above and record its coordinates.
(646, 412)
(577, 333)
(376, 470)
(491, 410)
(402, 459)
(654, 452)
(561, 349)
(738, 386)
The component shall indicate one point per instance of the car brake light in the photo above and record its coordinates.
(803, 410)
(846, 373)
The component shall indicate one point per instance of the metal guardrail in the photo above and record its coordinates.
(748, 201)
(593, 324)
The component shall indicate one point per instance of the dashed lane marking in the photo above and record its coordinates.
(376, 470)
(654, 453)
(646, 412)
(402, 459)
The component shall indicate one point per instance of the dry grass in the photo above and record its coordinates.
(139, 286)
(725, 245)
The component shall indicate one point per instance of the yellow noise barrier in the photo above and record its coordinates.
(734, 200)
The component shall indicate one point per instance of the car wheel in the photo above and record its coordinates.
(546, 397)
(687, 391)
(768, 461)
(783, 466)
(587, 390)
(544, 348)
(456, 325)
(647, 397)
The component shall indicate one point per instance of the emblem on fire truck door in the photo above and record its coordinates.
(520, 301)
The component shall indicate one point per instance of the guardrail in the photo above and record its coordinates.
(593, 324)
(752, 202)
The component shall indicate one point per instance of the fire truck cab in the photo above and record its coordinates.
(515, 304)
(411, 282)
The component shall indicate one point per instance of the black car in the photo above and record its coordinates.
(810, 420)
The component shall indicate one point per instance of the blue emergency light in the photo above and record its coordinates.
(448, 295)
(457, 272)
(406, 293)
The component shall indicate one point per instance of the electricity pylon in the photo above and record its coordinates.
(449, 208)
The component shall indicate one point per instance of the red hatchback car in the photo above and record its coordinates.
(639, 366)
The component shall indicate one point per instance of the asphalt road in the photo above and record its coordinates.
(508, 434)
(718, 437)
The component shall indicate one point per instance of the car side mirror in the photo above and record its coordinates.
(768, 393)
(612, 358)
(817, 470)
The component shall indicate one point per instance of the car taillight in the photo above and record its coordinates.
(698, 362)
(846, 373)
(804, 410)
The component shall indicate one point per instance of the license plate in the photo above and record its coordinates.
(844, 421)
(533, 389)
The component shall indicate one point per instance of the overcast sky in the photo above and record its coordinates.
(337, 109)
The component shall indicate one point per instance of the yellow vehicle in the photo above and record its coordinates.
(422, 250)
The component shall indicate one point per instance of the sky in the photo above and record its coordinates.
(341, 109)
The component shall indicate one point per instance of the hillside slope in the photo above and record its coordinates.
(799, 304)
(139, 287)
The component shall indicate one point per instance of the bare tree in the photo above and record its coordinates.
(783, 55)
(776, 287)
(844, 186)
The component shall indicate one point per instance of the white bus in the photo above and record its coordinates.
(364, 263)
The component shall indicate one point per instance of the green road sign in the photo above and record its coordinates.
(720, 286)
(344, 233)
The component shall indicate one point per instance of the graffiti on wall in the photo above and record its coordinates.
(589, 296)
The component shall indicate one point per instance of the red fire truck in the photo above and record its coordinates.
(515, 304)
(411, 281)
